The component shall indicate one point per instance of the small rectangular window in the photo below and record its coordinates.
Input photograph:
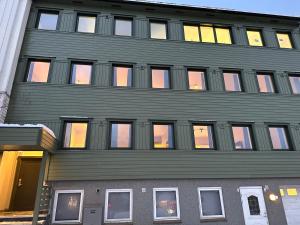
(284, 40)
(265, 83)
(123, 26)
(207, 34)
(47, 20)
(242, 137)
(295, 83)
(81, 73)
(160, 77)
(118, 206)
(211, 203)
(67, 206)
(232, 81)
(203, 136)
(158, 30)
(279, 137)
(196, 80)
(255, 38)
(86, 23)
(223, 35)
(122, 75)
(163, 136)
(191, 33)
(38, 71)
(121, 135)
(166, 204)
(75, 134)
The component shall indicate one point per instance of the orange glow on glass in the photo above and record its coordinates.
(163, 136)
(81, 74)
(242, 139)
(278, 137)
(232, 82)
(196, 80)
(122, 76)
(76, 135)
(265, 83)
(160, 78)
(203, 136)
(38, 71)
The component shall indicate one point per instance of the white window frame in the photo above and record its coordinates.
(108, 191)
(221, 201)
(177, 204)
(57, 192)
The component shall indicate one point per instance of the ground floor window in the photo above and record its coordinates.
(67, 206)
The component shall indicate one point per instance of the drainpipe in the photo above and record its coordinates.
(13, 20)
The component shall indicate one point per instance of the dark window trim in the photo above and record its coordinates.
(214, 136)
(163, 122)
(122, 64)
(38, 59)
(159, 21)
(241, 79)
(90, 14)
(197, 69)
(260, 30)
(274, 81)
(123, 17)
(291, 74)
(162, 67)
(251, 132)
(48, 11)
(66, 120)
(288, 133)
(289, 33)
(81, 62)
(121, 121)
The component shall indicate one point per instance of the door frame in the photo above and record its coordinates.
(17, 173)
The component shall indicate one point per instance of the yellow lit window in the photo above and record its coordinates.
(292, 192)
(191, 33)
(223, 35)
(284, 40)
(207, 34)
(254, 38)
(282, 192)
(75, 134)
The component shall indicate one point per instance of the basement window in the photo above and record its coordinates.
(67, 206)
(81, 73)
(38, 71)
(86, 23)
(75, 134)
(47, 20)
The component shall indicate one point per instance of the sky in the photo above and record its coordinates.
(280, 7)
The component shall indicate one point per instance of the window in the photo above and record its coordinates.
(166, 204)
(86, 23)
(163, 136)
(265, 83)
(295, 83)
(253, 205)
(203, 136)
(67, 206)
(284, 40)
(160, 77)
(81, 73)
(211, 203)
(47, 20)
(242, 137)
(75, 134)
(118, 205)
(223, 35)
(232, 81)
(122, 76)
(279, 137)
(196, 80)
(191, 33)
(123, 26)
(255, 38)
(158, 30)
(121, 135)
(38, 71)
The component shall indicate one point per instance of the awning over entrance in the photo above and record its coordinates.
(14, 137)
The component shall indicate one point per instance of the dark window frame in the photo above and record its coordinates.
(47, 11)
(161, 67)
(289, 33)
(260, 30)
(274, 81)
(38, 59)
(125, 65)
(161, 122)
(159, 21)
(81, 62)
(87, 14)
(291, 74)
(288, 133)
(251, 132)
(214, 136)
(123, 17)
(197, 69)
(241, 79)
(121, 121)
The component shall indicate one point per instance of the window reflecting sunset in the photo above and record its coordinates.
(81, 73)
(279, 138)
(232, 81)
(295, 83)
(38, 71)
(75, 134)
(160, 78)
(121, 135)
(203, 136)
(163, 136)
(196, 80)
(122, 76)
(242, 137)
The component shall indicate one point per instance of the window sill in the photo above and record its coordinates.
(213, 220)
(118, 223)
(167, 221)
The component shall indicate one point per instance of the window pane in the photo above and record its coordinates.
(253, 204)
(160, 78)
(295, 83)
(163, 136)
(86, 24)
(284, 40)
(265, 83)
(38, 71)
(207, 34)
(211, 203)
(81, 74)
(254, 38)
(203, 136)
(242, 137)
(48, 21)
(122, 76)
(196, 80)
(121, 135)
(158, 30)
(166, 204)
(75, 135)
(232, 82)
(223, 35)
(123, 27)
(279, 138)
(118, 205)
(191, 33)
(68, 206)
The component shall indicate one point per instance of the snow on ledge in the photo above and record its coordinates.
(31, 126)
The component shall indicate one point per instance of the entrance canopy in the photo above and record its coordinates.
(28, 137)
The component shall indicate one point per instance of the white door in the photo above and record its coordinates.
(255, 212)
(291, 203)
